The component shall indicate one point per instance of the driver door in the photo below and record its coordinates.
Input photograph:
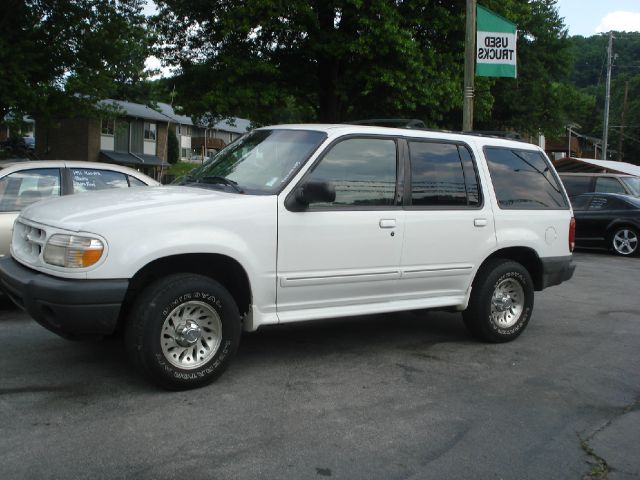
(336, 258)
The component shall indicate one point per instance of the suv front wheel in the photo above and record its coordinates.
(183, 330)
(501, 301)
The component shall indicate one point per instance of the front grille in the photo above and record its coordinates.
(28, 241)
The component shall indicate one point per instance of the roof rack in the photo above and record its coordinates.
(391, 122)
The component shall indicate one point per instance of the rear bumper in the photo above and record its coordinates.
(556, 270)
(70, 308)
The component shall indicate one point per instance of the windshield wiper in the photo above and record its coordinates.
(222, 180)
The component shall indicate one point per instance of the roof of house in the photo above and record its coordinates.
(167, 113)
(168, 110)
(136, 110)
(234, 125)
(591, 165)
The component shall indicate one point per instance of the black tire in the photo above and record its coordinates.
(478, 317)
(184, 296)
(620, 234)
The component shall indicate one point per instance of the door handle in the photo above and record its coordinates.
(480, 222)
(388, 223)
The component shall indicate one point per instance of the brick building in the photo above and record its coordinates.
(127, 134)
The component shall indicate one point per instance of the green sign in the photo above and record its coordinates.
(495, 45)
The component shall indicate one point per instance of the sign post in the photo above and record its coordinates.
(469, 49)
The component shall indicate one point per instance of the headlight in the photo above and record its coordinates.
(72, 251)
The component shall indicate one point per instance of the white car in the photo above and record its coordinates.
(297, 223)
(24, 183)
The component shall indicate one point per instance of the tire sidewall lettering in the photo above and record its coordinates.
(526, 312)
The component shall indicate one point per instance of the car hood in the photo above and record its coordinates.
(78, 212)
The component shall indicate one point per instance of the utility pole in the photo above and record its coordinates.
(469, 64)
(624, 111)
(607, 98)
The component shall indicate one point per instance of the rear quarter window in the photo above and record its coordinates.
(576, 185)
(524, 180)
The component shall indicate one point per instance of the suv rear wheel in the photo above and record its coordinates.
(183, 330)
(501, 301)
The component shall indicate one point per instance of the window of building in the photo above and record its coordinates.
(442, 174)
(108, 126)
(523, 180)
(149, 131)
(363, 172)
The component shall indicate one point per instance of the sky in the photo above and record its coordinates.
(589, 17)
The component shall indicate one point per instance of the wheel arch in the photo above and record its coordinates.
(221, 268)
(525, 256)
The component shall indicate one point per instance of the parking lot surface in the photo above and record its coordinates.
(396, 396)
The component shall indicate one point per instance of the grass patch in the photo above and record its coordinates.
(599, 467)
(181, 168)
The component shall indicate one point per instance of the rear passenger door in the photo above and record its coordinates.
(449, 226)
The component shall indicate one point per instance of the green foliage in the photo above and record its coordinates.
(62, 56)
(181, 168)
(173, 148)
(589, 70)
(336, 60)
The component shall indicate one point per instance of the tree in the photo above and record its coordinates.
(327, 60)
(173, 147)
(65, 54)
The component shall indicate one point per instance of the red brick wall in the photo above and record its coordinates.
(63, 139)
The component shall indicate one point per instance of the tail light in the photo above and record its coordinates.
(572, 234)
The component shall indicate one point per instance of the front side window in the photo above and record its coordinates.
(523, 180)
(89, 179)
(633, 184)
(23, 188)
(362, 170)
(442, 174)
(260, 162)
(149, 131)
(608, 185)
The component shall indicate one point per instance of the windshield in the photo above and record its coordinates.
(260, 162)
(633, 184)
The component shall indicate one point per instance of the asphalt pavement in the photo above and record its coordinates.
(396, 396)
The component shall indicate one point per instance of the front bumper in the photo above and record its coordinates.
(70, 308)
(556, 270)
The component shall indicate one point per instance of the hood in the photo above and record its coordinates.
(76, 212)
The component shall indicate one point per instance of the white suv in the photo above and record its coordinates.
(295, 223)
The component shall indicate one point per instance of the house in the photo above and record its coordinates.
(25, 129)
(197, 141)
(127, 134)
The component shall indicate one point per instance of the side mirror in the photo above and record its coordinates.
(312, 192)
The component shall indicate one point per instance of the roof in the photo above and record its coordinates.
(335, 130)
(136, 110)
(168, 110)
(571, 164)
(17, 166)
(233, 125)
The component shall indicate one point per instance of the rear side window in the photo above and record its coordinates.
(523, 180)
(442, 174)
(88, 180)
(575, 185)
(134, 182)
